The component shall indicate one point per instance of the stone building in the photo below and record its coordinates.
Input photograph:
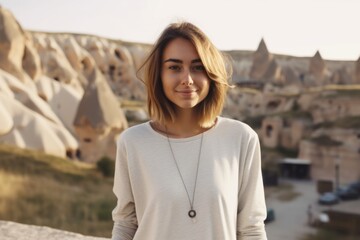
(326, 155)
(284, 133)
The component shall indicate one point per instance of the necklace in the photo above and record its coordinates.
(192, 212)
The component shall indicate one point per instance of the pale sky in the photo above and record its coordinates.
(292, 27)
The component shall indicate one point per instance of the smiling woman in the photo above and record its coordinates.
(184, 79)
(188, 173)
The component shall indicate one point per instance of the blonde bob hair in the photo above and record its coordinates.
(160, 108)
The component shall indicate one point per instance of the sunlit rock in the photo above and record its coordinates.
(99, 120)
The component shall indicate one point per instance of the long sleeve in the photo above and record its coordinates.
(251, 200)
(124, 215)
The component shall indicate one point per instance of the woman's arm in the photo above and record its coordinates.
(124, 215)
(251, 200)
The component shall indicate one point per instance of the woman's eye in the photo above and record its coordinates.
(199, 68)
(175, 68)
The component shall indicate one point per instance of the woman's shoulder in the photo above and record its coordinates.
(134, 132)
(234, 126)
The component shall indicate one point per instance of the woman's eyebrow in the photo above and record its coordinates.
(173, 60)
(196, 60)
(180, 61)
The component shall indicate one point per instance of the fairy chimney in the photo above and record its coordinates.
(12, 43)
(357, 71)
(317, 66)
(340, 76)
(99, 120)
(261, 61)
(264, 66)
(12, 46)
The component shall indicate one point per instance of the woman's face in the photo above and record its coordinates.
(184, 79)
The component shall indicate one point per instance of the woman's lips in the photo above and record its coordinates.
(186, 93)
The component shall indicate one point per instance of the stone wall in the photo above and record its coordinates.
(324, 159)
(17, 231)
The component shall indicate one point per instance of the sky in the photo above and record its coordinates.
(291, 27)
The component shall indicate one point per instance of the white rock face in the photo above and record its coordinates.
(31, 60)
(17, 231)
(12, 44)
(28, 98)
(62, 98)
(6, 121)
(33, 131)
(55, 63)
(79, 58)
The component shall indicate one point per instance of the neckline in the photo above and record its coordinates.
(186, 139)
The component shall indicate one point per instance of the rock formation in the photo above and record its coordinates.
(31, 130)
(99, 120)
(28, 98)
(12, 47)
(270, 131)
(31, 60)
(43, 78)
(79, 58)
(6, 120)
(54, 62)
(328, 109)
(357, 72)
(62, 99)
(317, 67)
(340, 76)
(264, 66)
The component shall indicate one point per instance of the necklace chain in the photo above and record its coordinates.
(192, 212)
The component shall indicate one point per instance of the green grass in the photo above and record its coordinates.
(45, 190)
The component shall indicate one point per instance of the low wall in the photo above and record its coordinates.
(17, 231)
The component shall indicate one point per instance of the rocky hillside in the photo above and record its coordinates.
(71, 95)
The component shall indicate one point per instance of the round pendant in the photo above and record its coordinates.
(192, 213)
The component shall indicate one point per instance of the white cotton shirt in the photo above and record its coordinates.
(152, 201)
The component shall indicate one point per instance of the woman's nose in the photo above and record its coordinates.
(187, 79)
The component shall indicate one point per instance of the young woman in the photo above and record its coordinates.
(188, 174)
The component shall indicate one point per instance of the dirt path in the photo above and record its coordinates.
(291, 216)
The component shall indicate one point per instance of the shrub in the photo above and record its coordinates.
(106, 166)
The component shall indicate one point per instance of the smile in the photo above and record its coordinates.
(187, 91)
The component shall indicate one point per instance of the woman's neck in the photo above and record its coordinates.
(185, 125)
